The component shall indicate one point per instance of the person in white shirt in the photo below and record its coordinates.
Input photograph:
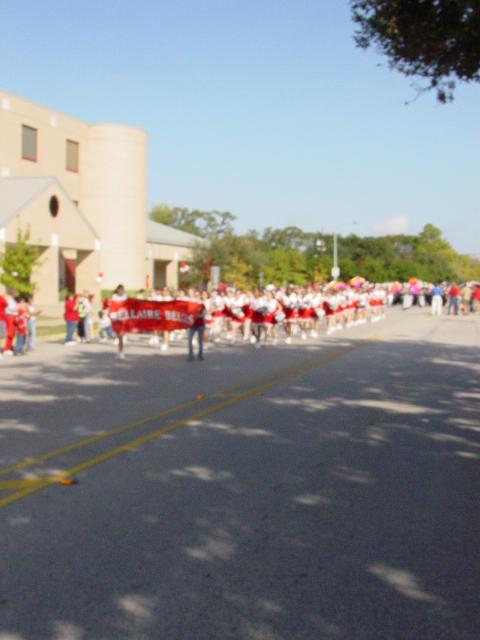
(236, 304)
(106, 330)
(269, 319)
(259, 308)
(217, 311)
(319, 313)
(290, 307)
(32, 314)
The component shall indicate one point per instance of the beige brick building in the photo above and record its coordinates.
(81, 190)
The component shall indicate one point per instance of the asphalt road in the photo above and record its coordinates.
(322, 490)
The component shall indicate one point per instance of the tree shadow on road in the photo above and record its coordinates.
(340, 506)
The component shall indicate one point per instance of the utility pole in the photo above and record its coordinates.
(335, 269)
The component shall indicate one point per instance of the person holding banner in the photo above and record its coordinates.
(131, 315)
(198, 328)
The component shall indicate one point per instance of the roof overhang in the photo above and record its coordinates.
(25, 204)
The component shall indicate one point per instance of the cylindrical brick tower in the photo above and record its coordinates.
(114, 199)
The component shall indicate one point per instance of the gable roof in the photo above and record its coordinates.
(158, 233)
(16, 193)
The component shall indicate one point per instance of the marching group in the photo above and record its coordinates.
(259, 317)
(265, 315)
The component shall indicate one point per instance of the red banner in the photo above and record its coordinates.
(137, 316)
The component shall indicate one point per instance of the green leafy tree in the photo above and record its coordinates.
(218, 252)
(291, 255)
(348, 268)
(177, 217)
(238, 273)
(467, 268)
(435, 40)
(17, 263)
(206, 224)
(289, 238)
(373, 269)
(402, 270)
(319, 266)
(286, 265)
(434, 255)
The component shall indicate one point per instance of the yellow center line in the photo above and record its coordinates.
(43, 483)
(134, 424)
(93, 439)
(23, 483)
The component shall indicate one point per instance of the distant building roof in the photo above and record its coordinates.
(158, 233)
(16, 193)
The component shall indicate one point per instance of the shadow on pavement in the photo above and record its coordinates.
(340, 506)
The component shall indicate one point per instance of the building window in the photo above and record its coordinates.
(29, 143)
(54, 206)
(72, 155)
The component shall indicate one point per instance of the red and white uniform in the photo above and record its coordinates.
(377, 298)
(340, 303)
(362, 300)
(317, 305)
(330, 305)
(218, 306)
(352, 299)
(306, 311)
(247, 307)
(207, 302)
(260, 309)
(271, 309)
(290, 307)
(237, 306)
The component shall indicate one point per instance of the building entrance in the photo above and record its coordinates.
(160, 274)
(67, 270)
(70, 268)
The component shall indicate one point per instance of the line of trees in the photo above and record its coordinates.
(291, 255)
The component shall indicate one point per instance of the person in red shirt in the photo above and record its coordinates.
(3, 325)
(71, 317)
(453, 294)
(21, 330)
(476, 299)
(10, 315)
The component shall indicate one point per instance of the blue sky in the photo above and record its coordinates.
(264, 108)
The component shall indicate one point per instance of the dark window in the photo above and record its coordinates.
(54, 206)
(72, 155)
(29, 143)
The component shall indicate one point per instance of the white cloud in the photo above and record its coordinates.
(394, 225)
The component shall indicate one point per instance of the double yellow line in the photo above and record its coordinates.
(27, 486)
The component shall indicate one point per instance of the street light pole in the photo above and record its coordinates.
(335, 257)
(320, 243)
(321, 247)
